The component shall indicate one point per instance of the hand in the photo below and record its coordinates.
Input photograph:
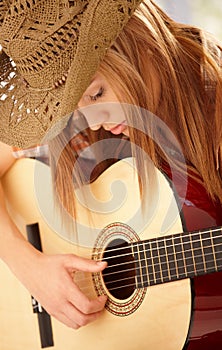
(49, 278)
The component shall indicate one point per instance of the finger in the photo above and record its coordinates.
(83, 303)
(79, 299)
(66, 321)
(82, 264)
(76, 318)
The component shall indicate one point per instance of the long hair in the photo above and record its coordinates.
(173, 71)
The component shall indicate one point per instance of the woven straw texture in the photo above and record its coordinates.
(50, 51)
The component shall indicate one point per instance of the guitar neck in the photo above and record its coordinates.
(178, 256)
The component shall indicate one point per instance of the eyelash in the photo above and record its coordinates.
(98, 95)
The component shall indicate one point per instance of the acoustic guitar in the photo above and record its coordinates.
(151, 261)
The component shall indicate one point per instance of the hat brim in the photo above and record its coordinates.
(33, 116)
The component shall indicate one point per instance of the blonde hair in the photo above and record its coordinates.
(173, 71)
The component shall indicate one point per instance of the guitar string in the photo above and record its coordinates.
(158, 264)
(163, 271)
(156, 249)
(149, 281)
(193, 272)
(164, 255)
(155, 240)
(169, 255)
(164, 239)
(172, 279)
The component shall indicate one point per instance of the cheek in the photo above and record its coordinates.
(95, 115)
(116, 112)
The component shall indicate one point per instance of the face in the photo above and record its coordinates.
(101, 107)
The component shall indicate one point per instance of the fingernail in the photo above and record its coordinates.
(101, 263)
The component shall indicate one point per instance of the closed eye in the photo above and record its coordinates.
(97, 95)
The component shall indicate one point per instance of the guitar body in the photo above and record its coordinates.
(206, 322)
(206, 325)
(156, 317)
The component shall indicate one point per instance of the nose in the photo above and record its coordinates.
(96, 115)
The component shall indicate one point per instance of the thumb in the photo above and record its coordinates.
(82, 264)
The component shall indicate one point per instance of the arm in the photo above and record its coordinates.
(68, 304)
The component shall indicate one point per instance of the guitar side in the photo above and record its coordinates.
(162, 319)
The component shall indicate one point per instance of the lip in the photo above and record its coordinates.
(118, 129)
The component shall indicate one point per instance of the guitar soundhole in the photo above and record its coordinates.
(119, 276)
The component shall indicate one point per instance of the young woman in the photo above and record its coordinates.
(174, 72)
(171, 70)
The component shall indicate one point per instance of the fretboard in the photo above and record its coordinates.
(178, 256)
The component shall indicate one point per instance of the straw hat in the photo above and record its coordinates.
(50, 51)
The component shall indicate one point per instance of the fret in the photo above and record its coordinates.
(192, 253)
(213, 250)
(156, 262)
(158, 244)
(167, 260)
(175, 258)
(180, 257)
(143, 268)
(138, 265)
(183, 256)
(146, 269)
(189, 261)
(197, 251)
(150, 263)
(171, 258)
(163, 259)
(202, 253)
(208, 252)
(217, 244)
